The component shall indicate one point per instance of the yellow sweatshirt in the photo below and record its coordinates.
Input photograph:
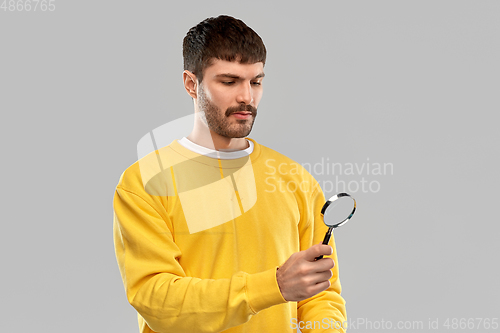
(198, 241)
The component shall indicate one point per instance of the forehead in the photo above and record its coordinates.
(245, 71)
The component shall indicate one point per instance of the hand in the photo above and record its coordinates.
(301, 276)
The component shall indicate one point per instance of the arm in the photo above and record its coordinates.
(157, 286)
(327, 307)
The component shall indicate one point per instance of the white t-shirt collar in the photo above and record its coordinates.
(223, 155)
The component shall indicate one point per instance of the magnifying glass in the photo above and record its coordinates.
(335, 212)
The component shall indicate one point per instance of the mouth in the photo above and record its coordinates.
(242, 114)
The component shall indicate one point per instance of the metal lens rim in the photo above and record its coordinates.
(332, 199)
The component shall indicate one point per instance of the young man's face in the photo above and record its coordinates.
(229, 95)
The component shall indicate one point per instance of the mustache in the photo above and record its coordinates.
(240, 108)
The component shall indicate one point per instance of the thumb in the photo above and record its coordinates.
(317, 250)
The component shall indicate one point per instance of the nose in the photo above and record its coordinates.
(245, 94)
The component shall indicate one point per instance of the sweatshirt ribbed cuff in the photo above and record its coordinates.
(263, 290)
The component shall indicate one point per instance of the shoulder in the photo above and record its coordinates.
(275, 159)
(276, 164)
(149, 171)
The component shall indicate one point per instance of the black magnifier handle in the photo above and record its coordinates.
(326, 240)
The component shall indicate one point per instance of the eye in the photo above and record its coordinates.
(256, 83)
(227, 83)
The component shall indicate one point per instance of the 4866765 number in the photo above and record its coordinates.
(28, 5)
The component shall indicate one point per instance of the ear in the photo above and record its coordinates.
(190, 83)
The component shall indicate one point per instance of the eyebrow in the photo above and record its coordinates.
(234, 76)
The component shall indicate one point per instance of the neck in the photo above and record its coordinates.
(203, 136)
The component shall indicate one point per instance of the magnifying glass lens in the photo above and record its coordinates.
(338, 211)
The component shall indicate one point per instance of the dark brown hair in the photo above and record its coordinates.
(224, 38)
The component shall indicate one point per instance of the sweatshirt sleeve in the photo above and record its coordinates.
(157, 286)
(327, 307)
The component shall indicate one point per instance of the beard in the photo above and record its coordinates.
(218, 121)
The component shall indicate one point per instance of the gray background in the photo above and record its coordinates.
(412, 83)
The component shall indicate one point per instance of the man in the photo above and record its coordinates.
(216, 232)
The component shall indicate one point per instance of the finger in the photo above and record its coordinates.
(321, 277)
(317, 250)
(319, 266)
(325, 264)
(319, 287)
(325, 276)
(312, 269)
